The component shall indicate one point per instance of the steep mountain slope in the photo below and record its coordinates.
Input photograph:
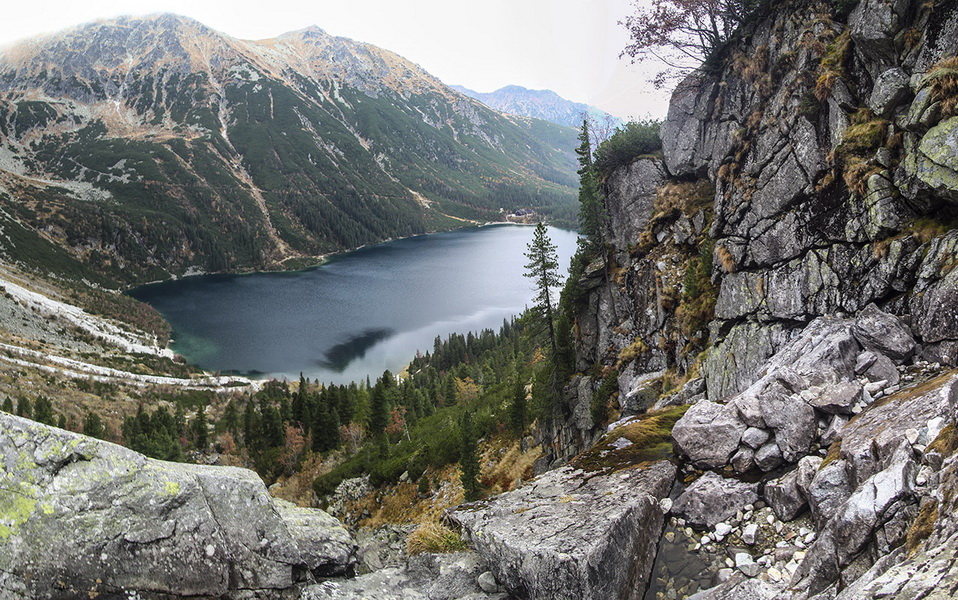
(540, 104)
(155, 146)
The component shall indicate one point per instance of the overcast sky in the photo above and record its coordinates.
(569, 46)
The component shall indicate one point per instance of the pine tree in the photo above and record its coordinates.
(43, 411)
(25, 408)
(231, 419)
(199, 429)
(93, 426)
(7, 405)
(543, 269)
(250, 425)
(518, 411)
(592, 213)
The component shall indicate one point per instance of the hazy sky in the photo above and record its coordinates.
(569, 46)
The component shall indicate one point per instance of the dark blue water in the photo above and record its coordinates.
(358, 314)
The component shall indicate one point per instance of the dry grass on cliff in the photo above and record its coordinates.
(943, 78)
(832, 66)
(434, 538)
(505, 465)
(922, 527)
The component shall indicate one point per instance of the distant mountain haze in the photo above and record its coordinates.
(539, 104)
(139, 148)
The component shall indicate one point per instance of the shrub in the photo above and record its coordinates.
(632, 140)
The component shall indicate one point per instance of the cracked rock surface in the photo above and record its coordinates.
(120, 524)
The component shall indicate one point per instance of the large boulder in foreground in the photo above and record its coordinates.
(573, 534)
(83, 517)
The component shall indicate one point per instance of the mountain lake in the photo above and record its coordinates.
(357, 314)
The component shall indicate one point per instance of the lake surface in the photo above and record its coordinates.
(358, 314)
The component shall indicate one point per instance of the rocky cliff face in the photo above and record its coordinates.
(787, 268)
(812, 175)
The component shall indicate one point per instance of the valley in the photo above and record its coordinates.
(738, 380)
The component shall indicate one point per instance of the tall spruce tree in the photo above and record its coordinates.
(518, 411)
(592, 213)
(543, 269)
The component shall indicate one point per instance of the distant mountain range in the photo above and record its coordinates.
(139, 148)
(539, 104)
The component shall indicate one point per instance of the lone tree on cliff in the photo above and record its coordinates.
(543, 269)
(683, 34)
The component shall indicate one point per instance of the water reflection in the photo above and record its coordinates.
(341, 355)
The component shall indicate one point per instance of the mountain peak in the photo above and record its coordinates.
(540, 104)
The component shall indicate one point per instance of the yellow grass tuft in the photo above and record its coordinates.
(434, 538)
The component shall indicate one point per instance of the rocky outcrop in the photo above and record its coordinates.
(877, 463)
(807, 387)
(572, 533)
(79, 516)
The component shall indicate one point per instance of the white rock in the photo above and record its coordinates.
(750, 533)
(487, 582)
(665, 504)
(791, 567)
(723, 529)
(745, 564)
(774, 574)
(808, 539)
(724, 575)
(911, 434)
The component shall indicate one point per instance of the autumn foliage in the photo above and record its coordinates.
(683, 34)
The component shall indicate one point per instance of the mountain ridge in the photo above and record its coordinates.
(302, 144)
(540, 104)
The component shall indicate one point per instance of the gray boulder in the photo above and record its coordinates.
(572, 534)
(89, 517)
(838, 399)
(828, 490)
(768, 456)
(788, 495)
(708, 433)
(792, 419)
(883, 369)
(874, 24)
(754, 437)
(936, 307)
(739, 587)
(891, 88)
(711, 499)
(884, 333)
